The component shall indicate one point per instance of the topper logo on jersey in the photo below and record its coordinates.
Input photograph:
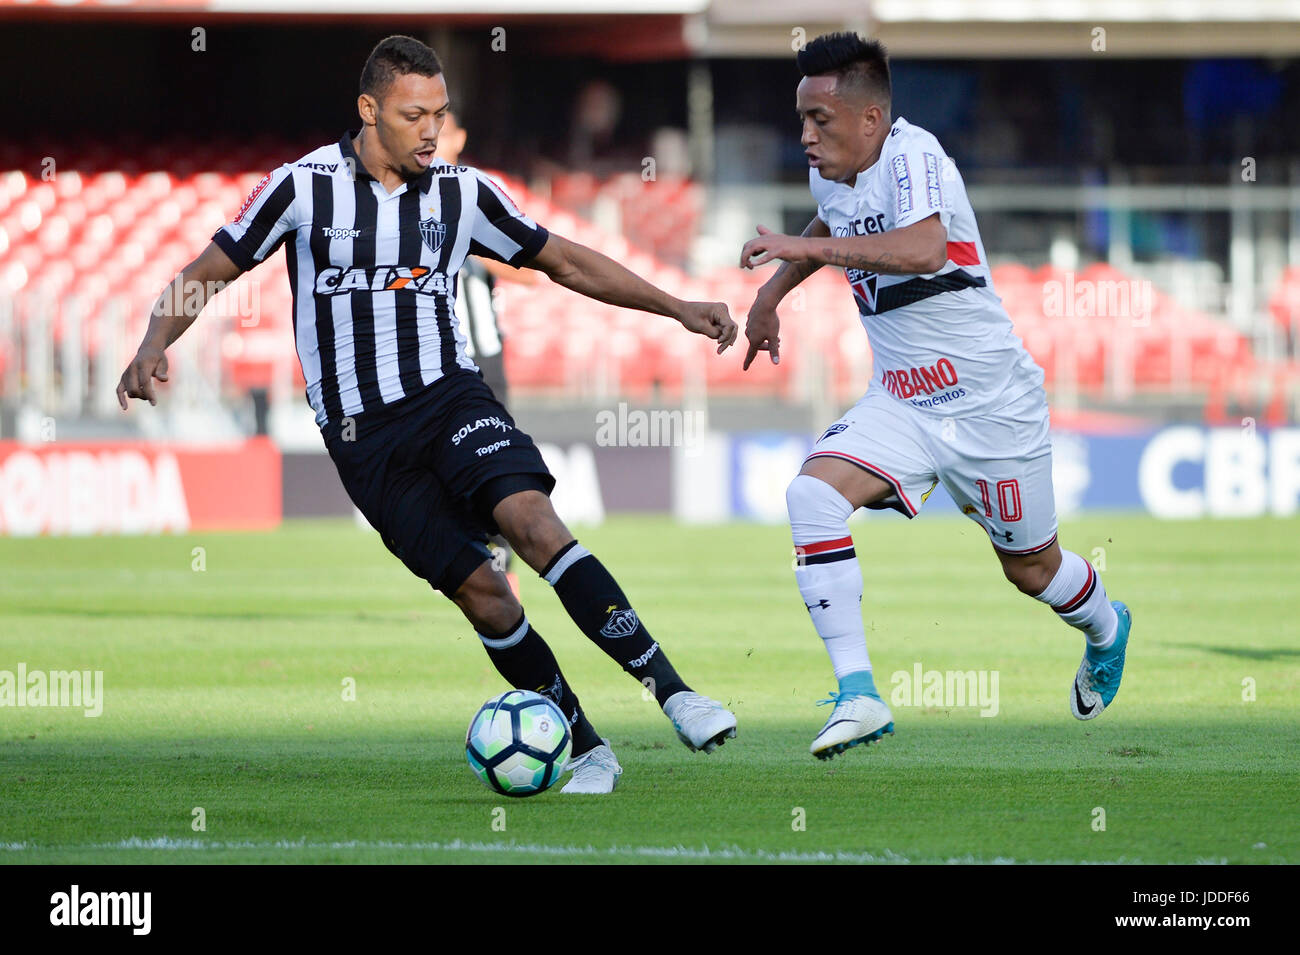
(381, 278)
(909, 382)
(432, 232)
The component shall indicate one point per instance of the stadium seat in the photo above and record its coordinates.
(122, 223)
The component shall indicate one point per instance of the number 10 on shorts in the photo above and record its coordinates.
(1008, 500)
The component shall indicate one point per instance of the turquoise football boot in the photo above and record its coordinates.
(1097, 681)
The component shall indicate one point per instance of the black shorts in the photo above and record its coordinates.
(493, 368)
(427, 471)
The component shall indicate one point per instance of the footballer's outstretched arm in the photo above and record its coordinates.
(762, 325)
(176, 308)
(597, 276)
(790, 274)
(918, 249)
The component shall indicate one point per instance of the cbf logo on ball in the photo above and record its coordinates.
(432, 232)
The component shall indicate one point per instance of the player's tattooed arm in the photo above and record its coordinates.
(852, 260)
(917, 249)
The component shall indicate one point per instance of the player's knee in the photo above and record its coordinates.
(797, 494)
(1029, 577)
(813, 503)
(534, 530)
(538, 543)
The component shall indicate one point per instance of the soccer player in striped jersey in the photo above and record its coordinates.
(954, 396)
(375, 230)
(476, 312)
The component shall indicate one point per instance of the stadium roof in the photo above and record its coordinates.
(769, 28)
(1011, 28)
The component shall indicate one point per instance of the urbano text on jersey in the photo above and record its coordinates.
(909, 382)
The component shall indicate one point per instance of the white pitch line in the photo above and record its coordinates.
(686, 853)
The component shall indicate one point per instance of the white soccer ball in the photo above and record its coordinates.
(518, 743)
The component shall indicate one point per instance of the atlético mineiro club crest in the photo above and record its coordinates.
(432, 232)
(621, 623)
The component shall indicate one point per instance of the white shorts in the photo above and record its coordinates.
(997, 466)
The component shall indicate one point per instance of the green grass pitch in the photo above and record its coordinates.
(224, 690)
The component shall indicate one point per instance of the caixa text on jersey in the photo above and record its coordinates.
(381, 278)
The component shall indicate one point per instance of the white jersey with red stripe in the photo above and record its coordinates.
(941, 342)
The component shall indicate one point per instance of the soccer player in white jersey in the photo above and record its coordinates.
(954, 396)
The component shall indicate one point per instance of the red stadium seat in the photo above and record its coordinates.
(121, 225)
(1284, 303)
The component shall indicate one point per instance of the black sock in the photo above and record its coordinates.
(527, 663)
(597, 605)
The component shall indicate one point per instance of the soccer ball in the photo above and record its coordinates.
(518, 743)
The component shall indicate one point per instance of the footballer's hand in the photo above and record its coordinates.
(763, 329)
(768, 246)
(137, 380)
(710, 319)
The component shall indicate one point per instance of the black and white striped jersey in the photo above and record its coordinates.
(373, 274)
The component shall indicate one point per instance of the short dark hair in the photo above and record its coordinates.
(396, 56)
(859, 66)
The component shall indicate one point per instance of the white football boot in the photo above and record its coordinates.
(595, 772)
(701, 723)
(855, 719)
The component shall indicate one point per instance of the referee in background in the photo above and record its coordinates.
(375, 230)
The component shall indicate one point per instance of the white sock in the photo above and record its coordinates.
(827, 571)
(1078, 597)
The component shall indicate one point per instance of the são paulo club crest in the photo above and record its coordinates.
(864, 289)
(432, 232)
